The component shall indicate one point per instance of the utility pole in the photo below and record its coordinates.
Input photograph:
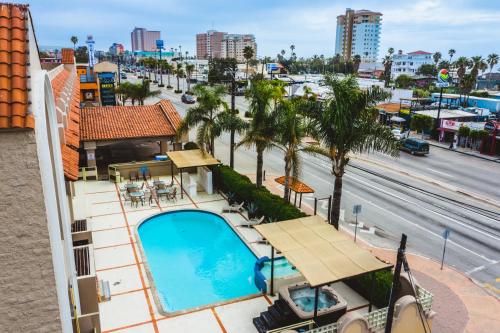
(395, 284)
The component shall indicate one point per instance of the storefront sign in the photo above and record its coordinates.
(450, 124)
(490, 127)
(107, 88)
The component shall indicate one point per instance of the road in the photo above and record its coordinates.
(418, 196)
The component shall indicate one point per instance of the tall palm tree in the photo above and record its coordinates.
(230, 121)
(291, 129)
(492, 60)
(478, 64)
(436, 57)
(387, 62)
(347, 124)
(168, 68)
(179, 73)
(451, 53)
(189, 71)
(261, 130)
(74, 40)
(356, 60)
(206, 116)
(142, 91)
(248, 54)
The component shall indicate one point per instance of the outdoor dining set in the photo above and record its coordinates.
(148, 191)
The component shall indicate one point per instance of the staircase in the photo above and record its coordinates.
(277, 315)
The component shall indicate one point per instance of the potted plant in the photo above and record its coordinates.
(231, 198)
(252, 210)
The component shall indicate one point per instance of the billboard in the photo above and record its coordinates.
(273, 68)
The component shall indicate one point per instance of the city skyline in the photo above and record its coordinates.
(426, 24)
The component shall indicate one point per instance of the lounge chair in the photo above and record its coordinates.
(235, 208)
(252, 222)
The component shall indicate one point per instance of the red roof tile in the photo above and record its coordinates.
(70, 159)
(14, 112)
(419, 52)
(125, 122)
(68, 56)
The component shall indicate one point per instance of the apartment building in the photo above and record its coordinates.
(409, 63)
(116, 49)
(144, 40)
(358, 33)
(216, 44)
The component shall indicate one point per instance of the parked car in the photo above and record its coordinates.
(123, 76)
(240, 91)
(188, 99)
(397, 133)
(415, 146)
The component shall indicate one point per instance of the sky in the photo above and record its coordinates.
(469, 27)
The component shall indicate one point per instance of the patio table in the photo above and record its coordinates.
(131, 185)
(164, 192)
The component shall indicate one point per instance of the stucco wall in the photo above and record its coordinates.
(28, 301)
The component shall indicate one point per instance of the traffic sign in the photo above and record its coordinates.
(356, 209)
(446, 233)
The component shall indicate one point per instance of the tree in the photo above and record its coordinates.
(387, 62)
(463, 135)
(356, 60)
(478, 64)
(248, 54)
(81, 55)
(179, 73)
(261, 130)
(421, 123)
(189, 71)
(205, 116)
(444, 64)
(348, 124)
(74, 40)
(427, 70)
(451, 53)
(135, 92)
(403, 81)
(436, 57)
(492, 60)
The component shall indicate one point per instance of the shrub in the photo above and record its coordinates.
(479, 93)
(382, 287)
(268, 204)
(403, 81)
(177, 91)
(191, 145)
(248, 114)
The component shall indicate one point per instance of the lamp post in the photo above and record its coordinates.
(231, 72)
(159, 46)
(180, 51)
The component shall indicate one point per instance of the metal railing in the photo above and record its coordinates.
(84, 260)
(309, 323)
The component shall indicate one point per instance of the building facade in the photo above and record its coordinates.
(358, 33)
(409, 63)
(216, 44)
(144, 40)
(116, 49)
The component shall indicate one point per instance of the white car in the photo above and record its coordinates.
(397, 133)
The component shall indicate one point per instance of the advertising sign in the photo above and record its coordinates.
(159, 44)
(90, 48)
(107, 88)
(443, 77)
(273, 68)
(450, 124)
(489, 127)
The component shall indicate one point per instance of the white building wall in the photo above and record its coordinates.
(409, 63)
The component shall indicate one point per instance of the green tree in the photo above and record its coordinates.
(463, 135)
(444, 64)
(81, 55)
(205, 116)
(248, 54)
(427, 70)
(189, 72)
(403, 81)
(74, 40)
(135, 92)
(451, 53)
(492, 60)
(387, 62)
(421, 123)
(356, 60)
(348, 124)
(179, 73)
(436, 57)
(261, 130)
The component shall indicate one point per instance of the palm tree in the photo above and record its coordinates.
(478, 64)
(179, 73)
(492, 61)
(347, 124)
(387, 62)
(451, 53)
(141, 91)
(436, 57)
(261, 130)
(248, 54)
(229, 121)
(168, 68)
(74, 40)
(356, 60)
(205, 115)
(291, 129)
(189, 71)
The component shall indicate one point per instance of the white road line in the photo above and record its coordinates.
(479, 268)
(441, 173)
(427, 209)
(424, 229)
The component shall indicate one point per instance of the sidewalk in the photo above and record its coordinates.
(460, 304)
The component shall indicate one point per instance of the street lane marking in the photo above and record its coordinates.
(441, 173)
(479, 268)
(422, 228)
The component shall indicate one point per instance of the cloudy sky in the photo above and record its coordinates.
(470, 27)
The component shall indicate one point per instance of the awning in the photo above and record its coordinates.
(191, 158)
(398, 119)
(321, 253)
(295, 185)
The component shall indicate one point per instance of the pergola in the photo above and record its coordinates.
(190, 159)
(296, 186)
(322, 254)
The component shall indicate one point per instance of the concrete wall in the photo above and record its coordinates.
(28, 301)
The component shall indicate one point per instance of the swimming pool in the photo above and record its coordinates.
(281, 268)
(196, 259)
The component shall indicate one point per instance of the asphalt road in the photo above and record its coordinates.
(418, 196)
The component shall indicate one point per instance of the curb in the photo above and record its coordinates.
(465, 153)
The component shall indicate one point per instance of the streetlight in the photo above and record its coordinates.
(180, 51)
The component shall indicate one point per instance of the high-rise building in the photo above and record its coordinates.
(215, 44)
(358, 33)
(116, 49)
(144, 40)
(233, 46)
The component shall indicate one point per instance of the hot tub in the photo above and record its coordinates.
(300, 298)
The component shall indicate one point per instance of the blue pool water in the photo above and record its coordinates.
(196, 259)
(281, 268)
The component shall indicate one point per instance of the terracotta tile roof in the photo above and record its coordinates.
(125, 122)
(70, 159)
(389, 107)
(14, 111)
(68, 56)
(295, 185)
(58, 83)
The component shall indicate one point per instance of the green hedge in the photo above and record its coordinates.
(269, 205)
(382, 288)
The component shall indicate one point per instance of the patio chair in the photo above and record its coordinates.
(148, 197)
(236, 208)
(126, 196)
(172, 195)
(133, 176)
(252, 222)
(135, 200)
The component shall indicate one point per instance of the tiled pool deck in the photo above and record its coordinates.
(118, 260)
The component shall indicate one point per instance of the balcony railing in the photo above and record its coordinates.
(84, 260)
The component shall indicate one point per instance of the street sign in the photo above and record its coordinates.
(446, 233)
(356, 209)
(159, 44)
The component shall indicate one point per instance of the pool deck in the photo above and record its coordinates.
(117, 258)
